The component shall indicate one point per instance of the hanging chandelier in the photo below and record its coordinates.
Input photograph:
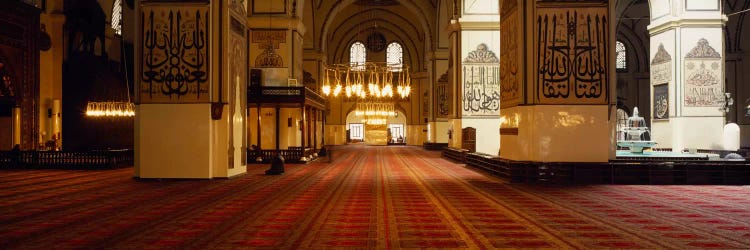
(110, 109)
(375, 113)
(373, 80)
(378, 109)
(114, 109)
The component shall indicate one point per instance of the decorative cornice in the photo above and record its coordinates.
(703, 50)
(676, 23)
(481, 55)
(661, 56)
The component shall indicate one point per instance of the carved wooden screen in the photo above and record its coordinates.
(469, 139)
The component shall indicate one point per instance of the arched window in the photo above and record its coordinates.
(394, 56)
(117, 17)
(622, 62)
(357, 56)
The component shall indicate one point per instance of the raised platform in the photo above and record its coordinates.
(434, 146)
(455, 154)
(665, 156)
(620, 171)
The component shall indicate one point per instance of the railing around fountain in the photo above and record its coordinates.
(641, 171)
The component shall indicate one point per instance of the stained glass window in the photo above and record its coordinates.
(622, 62)
(395, 55)
(357, 56)
(117, 17)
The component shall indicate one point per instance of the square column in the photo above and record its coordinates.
(191, 77)
(475, 44)
(555, 81)
(687, 74)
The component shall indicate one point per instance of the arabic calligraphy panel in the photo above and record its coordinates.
(661, 102)
(661, 66)
(572, 55)
(269, 41)
(481, 89)
(175, 54)
(510, 79)
(702, 83)
(703, 76)
(442, 97)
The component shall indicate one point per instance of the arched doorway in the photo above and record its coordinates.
(390, 130)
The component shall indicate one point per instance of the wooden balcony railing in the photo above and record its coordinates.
(269, 94)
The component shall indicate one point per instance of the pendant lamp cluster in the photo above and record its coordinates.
(110, 109)
(367, 80)
(375, 113)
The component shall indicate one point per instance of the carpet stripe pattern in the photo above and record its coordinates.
(369, 197)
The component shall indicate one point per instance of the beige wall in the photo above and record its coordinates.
(173, 141)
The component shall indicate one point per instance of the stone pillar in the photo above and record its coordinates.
(556, 81)
(187, 122)
(50, 72)
(56, 121)
(258, 131)
(17, 126)
(687, 73)
(303, 125)
(476, 74)
(315, 129)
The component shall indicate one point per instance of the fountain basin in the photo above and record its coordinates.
(636, 147)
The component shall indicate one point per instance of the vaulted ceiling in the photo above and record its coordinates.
(332, 26)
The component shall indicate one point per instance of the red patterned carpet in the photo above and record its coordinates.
(369, 197)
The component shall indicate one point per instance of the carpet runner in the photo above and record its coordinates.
(369, 197)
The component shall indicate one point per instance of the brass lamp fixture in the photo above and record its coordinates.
(114, 109)
(368, 80)
(375, 113)
(373, 80)
(375, 109)
(110, 109)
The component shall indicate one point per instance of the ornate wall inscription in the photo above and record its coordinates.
(442, 97)
(269, 41)
(510, 79)
(175, 54)
(703, 76)
(661, 101)
(481, 85)
(661, 66)
(572, 54)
